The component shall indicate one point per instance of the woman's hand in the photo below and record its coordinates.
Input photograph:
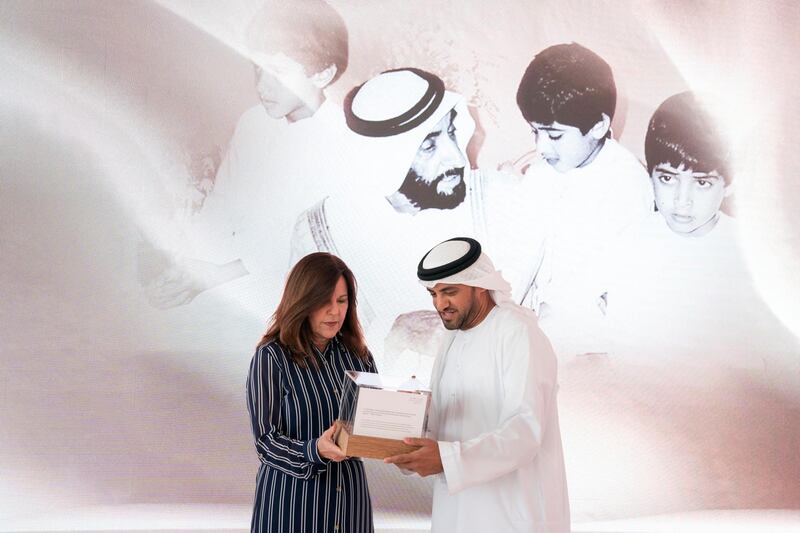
(327, 448)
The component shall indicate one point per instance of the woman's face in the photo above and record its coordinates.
(327, 320)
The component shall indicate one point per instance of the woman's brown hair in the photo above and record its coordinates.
(309, 286)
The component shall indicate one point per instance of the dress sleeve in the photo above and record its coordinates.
(527, 402)
(297, 458)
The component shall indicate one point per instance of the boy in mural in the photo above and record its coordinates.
(576, 198)
(298, 49)
(678, 286)
(689, 167)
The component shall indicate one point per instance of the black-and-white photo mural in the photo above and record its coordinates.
(209, 211)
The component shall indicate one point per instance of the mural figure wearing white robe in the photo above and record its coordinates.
(571, 219)
(375, 211)
(582, 192)
(686, 300)
(285, 152)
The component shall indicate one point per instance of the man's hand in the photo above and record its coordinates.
(425, 461)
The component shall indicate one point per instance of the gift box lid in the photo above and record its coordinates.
(395, 383)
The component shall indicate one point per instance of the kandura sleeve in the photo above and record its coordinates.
(529, 373)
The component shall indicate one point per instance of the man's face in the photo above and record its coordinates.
(689, 201)
(565, 147)
(456, 304)
(436, 176)
(283, 86)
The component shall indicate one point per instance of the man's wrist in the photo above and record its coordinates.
(449, 454)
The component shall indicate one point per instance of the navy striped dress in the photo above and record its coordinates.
(290, 406)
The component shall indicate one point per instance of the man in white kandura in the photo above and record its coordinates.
(495, 445)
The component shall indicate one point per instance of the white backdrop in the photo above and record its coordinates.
(108, 110)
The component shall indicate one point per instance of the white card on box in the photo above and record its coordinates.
(389, 414)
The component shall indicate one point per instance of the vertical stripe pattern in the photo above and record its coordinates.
(290, 407)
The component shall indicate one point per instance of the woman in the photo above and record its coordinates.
(305, 482)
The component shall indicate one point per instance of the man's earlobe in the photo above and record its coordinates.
(324, 77)
(601, 127)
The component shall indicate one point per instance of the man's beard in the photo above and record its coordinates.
(425, 196)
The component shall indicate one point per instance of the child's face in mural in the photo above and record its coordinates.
(565, 147)
(436, 176)
(284, 88)
(689, 201)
